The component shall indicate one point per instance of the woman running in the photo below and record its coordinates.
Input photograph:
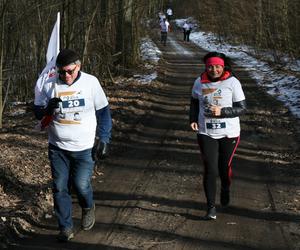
(216, 103)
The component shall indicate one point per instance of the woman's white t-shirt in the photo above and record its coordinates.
(222, 93)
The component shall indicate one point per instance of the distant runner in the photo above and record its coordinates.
(217, 101)
(169, 14)
(161, 16)
(164, 29)
(187, 28)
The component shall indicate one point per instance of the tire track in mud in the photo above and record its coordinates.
(149, 180)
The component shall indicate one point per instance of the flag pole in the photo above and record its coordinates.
(58, 33)
(49, 70)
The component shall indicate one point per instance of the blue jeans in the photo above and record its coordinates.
(70, 169)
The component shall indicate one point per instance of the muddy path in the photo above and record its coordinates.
(149, 194)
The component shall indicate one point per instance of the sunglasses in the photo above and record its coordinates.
(64, 72)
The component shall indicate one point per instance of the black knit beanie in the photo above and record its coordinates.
(66, 57)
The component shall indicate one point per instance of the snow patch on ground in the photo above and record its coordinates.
(150, 54)
(144, 79)
(149, 51)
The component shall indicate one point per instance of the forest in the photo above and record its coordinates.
(107, 33)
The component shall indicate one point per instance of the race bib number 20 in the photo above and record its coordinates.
(73, 103)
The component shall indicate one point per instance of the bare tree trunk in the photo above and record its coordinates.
(1, 79)
(3, 7)
(259, 24)
(286, 28)
(87, 33)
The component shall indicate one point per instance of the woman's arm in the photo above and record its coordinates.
(237, 109)
(194, 110)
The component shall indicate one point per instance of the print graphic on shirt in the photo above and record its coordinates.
(207, 91)
(77, 116)
(71, 106)
(213, 98)
(217, 95)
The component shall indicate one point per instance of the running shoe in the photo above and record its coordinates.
(88, 218)
(211, 214)
(65, 235)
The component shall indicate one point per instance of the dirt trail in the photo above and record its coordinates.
(151, 196)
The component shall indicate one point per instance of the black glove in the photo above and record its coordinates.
(100, 151)
(52, 105)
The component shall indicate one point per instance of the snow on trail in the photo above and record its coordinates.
(177, 47)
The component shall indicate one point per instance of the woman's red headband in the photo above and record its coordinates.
(214, 61)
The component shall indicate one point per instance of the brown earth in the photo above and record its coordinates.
(149, 194)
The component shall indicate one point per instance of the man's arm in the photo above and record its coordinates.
(103, 133)
(104, 124)
(39, 112)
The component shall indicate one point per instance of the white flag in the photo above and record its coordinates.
(52, 52)
(53, 46)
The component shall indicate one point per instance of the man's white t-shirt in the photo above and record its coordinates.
(74, 125)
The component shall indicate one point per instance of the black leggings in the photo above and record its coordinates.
(163, 37)
(217, 156)
(186, 35)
